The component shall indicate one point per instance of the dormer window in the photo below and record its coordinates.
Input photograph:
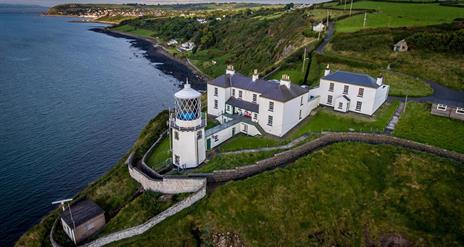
(441, 107)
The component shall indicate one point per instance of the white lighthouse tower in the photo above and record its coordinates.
(187, 126)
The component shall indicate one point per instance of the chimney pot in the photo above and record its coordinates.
(230, 70)
(327, 70)
(255, 75)
(380, 80)
(285, 81)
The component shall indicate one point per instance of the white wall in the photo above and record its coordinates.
(369, 99)
(277, 114)
(223, 135)
(223, 96)
(191, 152)
(381, 97)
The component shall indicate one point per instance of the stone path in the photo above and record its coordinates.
(394, 120)
(283, 147)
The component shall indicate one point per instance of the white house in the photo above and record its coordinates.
(347, 91)
(187, 46)
(276, 107)
(172, 42)
(319, 27)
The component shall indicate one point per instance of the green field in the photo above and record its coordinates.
(419, 125)
(347, 194)
(398, 15)
(373, 49)
(160, 155)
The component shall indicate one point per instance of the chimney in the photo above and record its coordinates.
(255, 75)
(285, 81)
(327, 70)
(380, 80)
(230, 70)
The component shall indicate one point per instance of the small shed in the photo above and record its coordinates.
(82, 219)
(319, 27)
(401, 46)
(447, 108)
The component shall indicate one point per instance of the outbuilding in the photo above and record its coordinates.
(82, 219)
(451, 109)
(401, 46)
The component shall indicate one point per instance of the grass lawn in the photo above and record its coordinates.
(374, 47)
(134, 30)
(243, 141)
(419, 125)
(160, 154)
(293, 70)
(229, 161)
(398, 15)
(328, 120)
(347, 194)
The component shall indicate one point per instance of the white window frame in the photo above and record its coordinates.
(271, 106)
(216, 104)
(340, 105)
(360, 92)
(301, 101)
(255, 98)
(346, 89)
(216, 91)
(240, 94)
(270, 120)
(176, 135)
(329, 99)
(331, 87)
(233, 92)
(255, 116)
(360, 106)
(442, 107)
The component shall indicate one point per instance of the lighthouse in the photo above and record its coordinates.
(187, 126)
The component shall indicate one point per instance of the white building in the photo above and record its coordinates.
(347, 91)
(172, 42)
(187, 46)
(319, 27)
(187, 126)
(276, 107)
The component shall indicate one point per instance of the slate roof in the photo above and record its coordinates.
(243, 104)
(352, 78)
(81, 211)
(267, 89)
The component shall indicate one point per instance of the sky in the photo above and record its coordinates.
(54, 2)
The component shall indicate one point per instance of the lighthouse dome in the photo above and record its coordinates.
(187, 93)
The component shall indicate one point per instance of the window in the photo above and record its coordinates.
(331, 87)
(358, 106)
(255, 116)
(460, 110)
(340, 105)
(361, 92)
(176, 135)
(233, 92)
(441, 107)
(199, 135)
(345, 89)
(215, 104)
(255, 98)
(300, 115)
(215, 91)
(269, 120)
(271, 106)
(240, 94)
(176, 159)
(216, 138)
(301, 100)
(329, 100)
(228, 107)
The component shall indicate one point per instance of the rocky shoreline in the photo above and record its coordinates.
(167, 63)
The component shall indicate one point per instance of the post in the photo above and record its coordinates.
(405, 103)
(304, 59)
(351, 6)
(327, 18)
(365, 19)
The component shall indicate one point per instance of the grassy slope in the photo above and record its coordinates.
(160, 154)
(374, 47)
(418, 124)
(398, 15)
(229, 161)
(111, 192)
(338, 195)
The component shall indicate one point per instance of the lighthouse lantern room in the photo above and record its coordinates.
(187, 126)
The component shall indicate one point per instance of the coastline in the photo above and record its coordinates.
(166, 62)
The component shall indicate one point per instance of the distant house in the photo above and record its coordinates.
(348, 91)
(449, 109)
(202, 21)
(187, 46)
(401, 46)
(82, 219)
(319, 27)
(172, 42)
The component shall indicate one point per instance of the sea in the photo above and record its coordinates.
(72, 103)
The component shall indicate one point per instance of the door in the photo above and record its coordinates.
(208, 143)
(233, 131)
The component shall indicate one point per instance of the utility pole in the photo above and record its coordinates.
(365, 19)
(304, 59)
(344, 6)
(405, 103)
(351, 6)
(327, 18)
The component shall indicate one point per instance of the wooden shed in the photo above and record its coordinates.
(82, 219)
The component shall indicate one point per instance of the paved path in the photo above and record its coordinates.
(330, 32)
(440, 94)
(394, 120)
(283, 147)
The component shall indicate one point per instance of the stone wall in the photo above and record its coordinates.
(140, 229)
(289, 156)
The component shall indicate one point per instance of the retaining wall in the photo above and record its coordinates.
(289, 156)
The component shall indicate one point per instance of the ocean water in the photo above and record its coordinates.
(72, 102)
